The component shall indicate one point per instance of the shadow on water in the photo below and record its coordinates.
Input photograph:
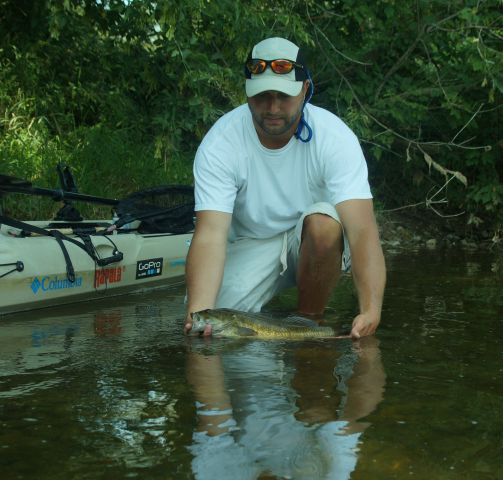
(115, 390)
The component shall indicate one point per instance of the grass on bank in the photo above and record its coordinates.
(104, 162)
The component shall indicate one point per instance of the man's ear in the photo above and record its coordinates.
(305, 88)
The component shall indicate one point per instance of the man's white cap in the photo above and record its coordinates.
(274, 49)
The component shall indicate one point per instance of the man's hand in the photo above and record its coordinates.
(188, 324)
(367, 263)
(205, 263)
(364, 324)
(188, 327)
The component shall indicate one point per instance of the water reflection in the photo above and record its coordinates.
(93, 376)
(282, 410)
(115, 390)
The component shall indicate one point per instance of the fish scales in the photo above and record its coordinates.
(271, 330)
(234, 323)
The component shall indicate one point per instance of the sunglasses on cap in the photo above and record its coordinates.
(280, 66)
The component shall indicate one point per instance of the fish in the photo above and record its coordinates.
(226, 322)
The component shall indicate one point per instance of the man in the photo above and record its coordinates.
(282, 199)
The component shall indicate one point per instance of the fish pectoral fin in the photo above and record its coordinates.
(246, 332)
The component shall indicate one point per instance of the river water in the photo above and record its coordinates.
(113, 389)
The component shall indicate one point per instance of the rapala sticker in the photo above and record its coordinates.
(149, 268)
(48, 284)
(108, 275)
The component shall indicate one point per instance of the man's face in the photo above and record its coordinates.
(276, 114)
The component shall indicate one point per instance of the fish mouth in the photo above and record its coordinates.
(201, 328)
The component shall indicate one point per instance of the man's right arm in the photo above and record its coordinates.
(205, 261)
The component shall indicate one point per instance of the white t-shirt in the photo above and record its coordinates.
(266, 190)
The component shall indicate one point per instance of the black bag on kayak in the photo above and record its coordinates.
(163, 209)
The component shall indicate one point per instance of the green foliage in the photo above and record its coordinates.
(124, 91)
(414, 79)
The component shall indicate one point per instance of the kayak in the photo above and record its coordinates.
(38, 270)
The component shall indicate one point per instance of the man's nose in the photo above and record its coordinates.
(274, 104)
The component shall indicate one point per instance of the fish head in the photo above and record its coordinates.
(222, 323)
(203, 318)
(199, 321)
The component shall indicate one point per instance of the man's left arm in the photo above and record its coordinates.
(367, 262)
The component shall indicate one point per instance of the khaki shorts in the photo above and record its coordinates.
(257, 269)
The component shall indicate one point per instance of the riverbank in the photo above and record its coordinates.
(410, 228)
(424, 228)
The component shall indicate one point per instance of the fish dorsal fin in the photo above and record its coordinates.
(296, 321)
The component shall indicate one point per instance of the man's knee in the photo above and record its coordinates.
(323, 233)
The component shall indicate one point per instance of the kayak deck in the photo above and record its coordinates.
(34, 270)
